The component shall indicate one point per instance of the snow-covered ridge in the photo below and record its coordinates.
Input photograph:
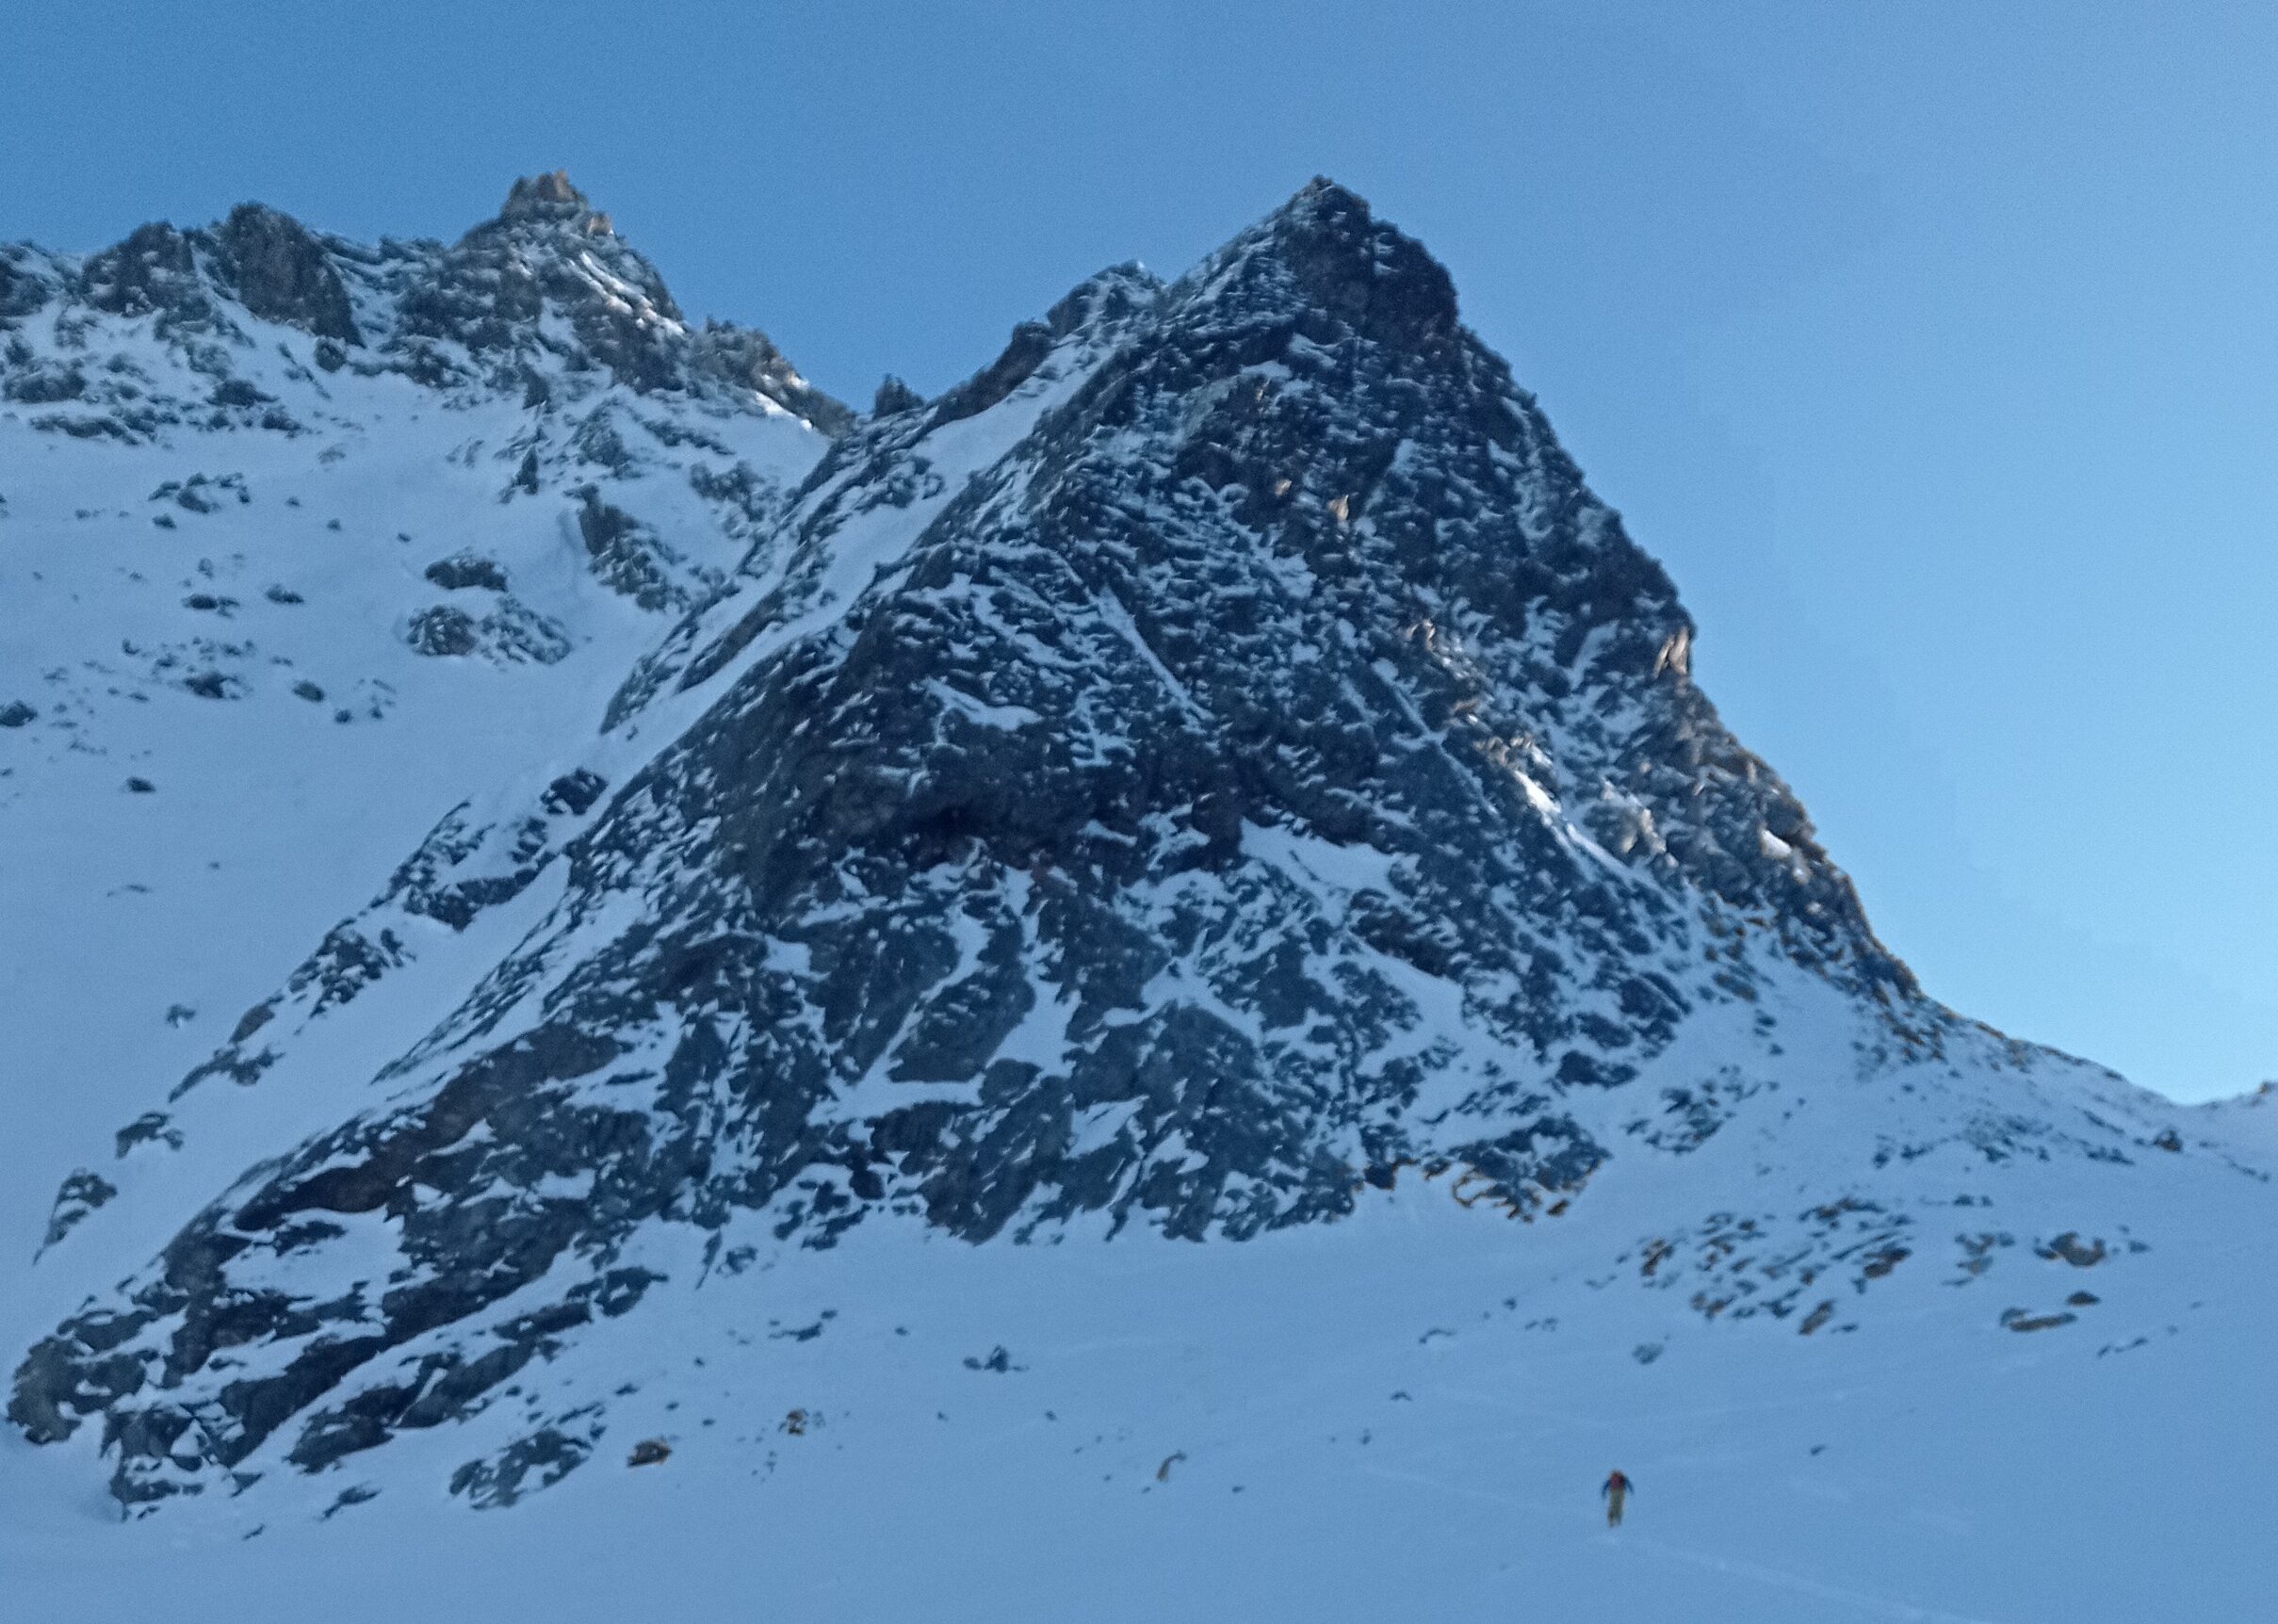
(546, 300)
(290, 579)
(1217, 765)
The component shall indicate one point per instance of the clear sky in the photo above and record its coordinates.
(1934, 347)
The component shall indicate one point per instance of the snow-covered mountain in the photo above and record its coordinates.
(584, 884)
(305, 542)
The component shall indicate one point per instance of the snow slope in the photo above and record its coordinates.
(1405, 1413)
(222, 603)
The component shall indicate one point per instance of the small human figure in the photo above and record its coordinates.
(1616, 1490)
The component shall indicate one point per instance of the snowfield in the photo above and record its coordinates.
(1404, 1414)
(145, 922)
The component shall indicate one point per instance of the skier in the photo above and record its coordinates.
(1616, 1490)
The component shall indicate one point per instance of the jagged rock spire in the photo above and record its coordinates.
(543, 301)
(548, 196)
(280, 272)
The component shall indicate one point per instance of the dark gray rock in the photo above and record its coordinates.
(154, 270)
(443, 631)
(546, 197)
(238, 392)
(542, 1458)
(2024, 1320)
(44, 385)
(465, 570)
(151, 1128)
(574, 793)
(488, 292)
(81, 1194)
(280, 272)
(2072, 1249)
(895, 396)
(24, 285)
(1030, 342)
(512, 633)
(355, 1494)
(627, 556)
(749, 360)
(204, 493)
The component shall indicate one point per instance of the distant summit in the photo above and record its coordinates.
(544, 299)
(1348, 264)
(545, 197)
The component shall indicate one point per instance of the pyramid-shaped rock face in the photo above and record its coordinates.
(1277, 745)
(1220, 755)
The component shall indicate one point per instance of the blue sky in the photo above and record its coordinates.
(1933, 347)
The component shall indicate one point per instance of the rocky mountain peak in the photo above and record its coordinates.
(547, 249)
(258, 258)
(543, 303)
(154, 268)
(1326, 250)
(545, 197)
(281, 272)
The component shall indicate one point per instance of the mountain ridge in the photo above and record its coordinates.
(1220, 755)
(442, 315)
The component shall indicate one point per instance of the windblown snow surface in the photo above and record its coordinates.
(1885, 1315)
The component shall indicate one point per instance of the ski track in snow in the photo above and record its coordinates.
(1629, 1538)
(1878, 1606)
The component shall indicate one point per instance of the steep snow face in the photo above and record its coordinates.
(1216, 766)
